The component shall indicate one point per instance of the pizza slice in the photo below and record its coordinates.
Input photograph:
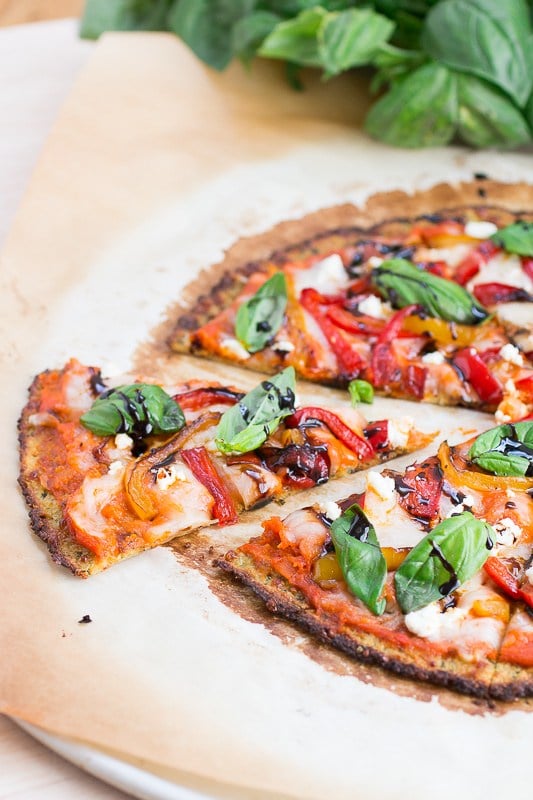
(410, 574)
(111, 469)
(437, 309)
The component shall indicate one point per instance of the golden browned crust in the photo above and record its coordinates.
(46, 515)
(386, 214)
(511, 681)
(281, 598)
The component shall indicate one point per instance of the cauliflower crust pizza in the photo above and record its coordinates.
(427, 572)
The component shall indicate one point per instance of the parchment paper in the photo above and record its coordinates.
(155, 166)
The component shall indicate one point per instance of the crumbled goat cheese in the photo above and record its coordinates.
(398, 431)
(284, 346)
(510, 387)
(382, 485)
(123, 441)
(507, 531)
(115, 467)
(479, 229)
(375, 261)
(234, 347)
(433, 358)
(166, 476)
(374, 307)
(512, 354)
(330, 510)
(501, 417)
(431, 623)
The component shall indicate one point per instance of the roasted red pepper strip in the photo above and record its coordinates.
(489, 294)
(385, 368)
(377, 434)
(473, 262)
(395, 323)
(200, 398)
(357, 444)
(355, 324)
(475, 371)
(497, 571)
(349, 361)
(527, 266)
(420, 489)
(199, 462)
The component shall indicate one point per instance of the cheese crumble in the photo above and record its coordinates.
(123, 441)
(330, 510)
(382, 485)
(480, 229)
(512, 354)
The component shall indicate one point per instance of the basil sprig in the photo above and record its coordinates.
(138, 409)
(404, 284)
(246, 425)
(261, 317)
(360, 558)
(446, 557)
(505, 450)
(360, 391)
(516, 238)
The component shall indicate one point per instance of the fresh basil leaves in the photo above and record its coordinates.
(261, 317)
(360, 391)
(444, 559)
(362, 563)
(138, 409)
(454, 68)
(505, 450)
(516, 238)
(404, 284)
(246, 425)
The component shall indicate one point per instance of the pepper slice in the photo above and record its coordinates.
(195, 399)
(498, 571)
(489, 294)
(474, 370)
(360, 324)
(200, 464)
(350, 362)
(461, 477)
(527, 266)
(385, 368)
(357, 444)
(473, 262)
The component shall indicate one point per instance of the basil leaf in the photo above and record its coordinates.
(138, 409)
(487, 117)
(361, 391)
(249, 32)
(123, 15)
(206, 27)
(404, 284)
(419, 110)
(444, 559)
(516, 238)
(505, 450)
(295, 39)
(360, 558)
(351, 38)
(487, 38)
(261, 317)
(246, 425)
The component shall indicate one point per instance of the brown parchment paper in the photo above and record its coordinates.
(154, 167)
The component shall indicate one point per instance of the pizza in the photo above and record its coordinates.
(428, 572)
(436, 308)
(112, 468)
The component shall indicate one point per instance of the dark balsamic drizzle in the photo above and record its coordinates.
(263, 325)
(97, 384)
(286, 400)
(451, 585)
(455, 495)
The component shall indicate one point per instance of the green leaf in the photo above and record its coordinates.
(123, 15)
(444, 559)
(393, 63)
(261, 317)
(419, 110)
(487, 117)
(360, 391)
(249, 32)
(296, 40)
(207, 25)
(516, 238)
(351, 38)
(138, 409)
(404, 284)
(488, 38)
(360, 558)
(505, 450)
(246, 425)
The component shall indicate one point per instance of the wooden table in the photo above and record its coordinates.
(28, 771)
(16, 12)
